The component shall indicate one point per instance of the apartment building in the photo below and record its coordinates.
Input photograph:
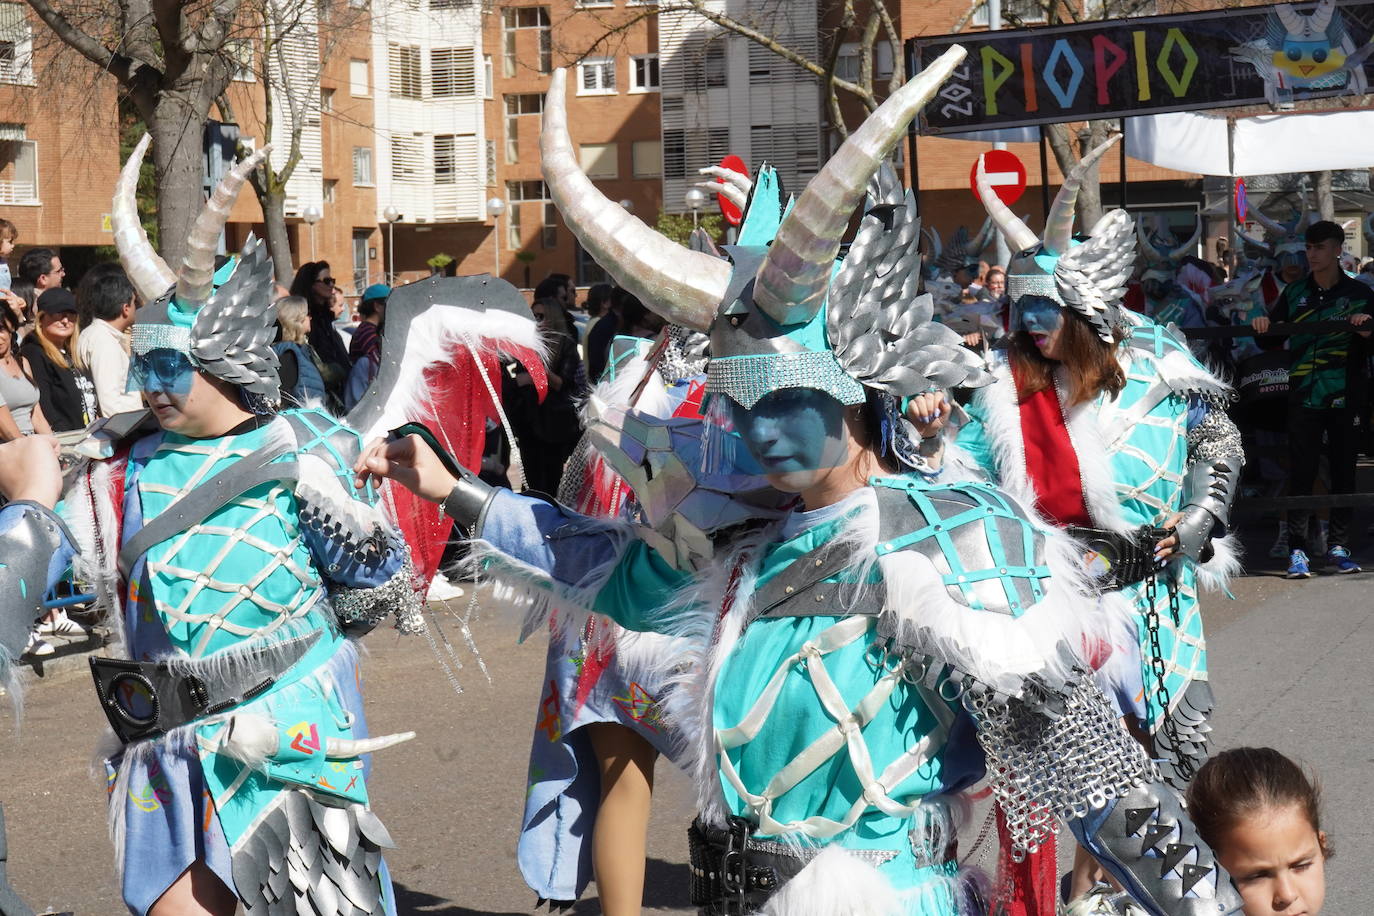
(59, 147)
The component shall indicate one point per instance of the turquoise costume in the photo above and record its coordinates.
(238, 567)
(853, 667)
(257, 574)
(1135, 451)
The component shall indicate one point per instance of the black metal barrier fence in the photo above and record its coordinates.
(1289, 329)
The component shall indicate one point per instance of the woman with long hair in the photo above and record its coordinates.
(21, 414)
(315, 283)
(66, 391)
(1108, 425)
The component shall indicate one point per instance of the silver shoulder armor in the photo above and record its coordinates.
(29, 546)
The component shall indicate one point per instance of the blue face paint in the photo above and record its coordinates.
(1038, 314)
(794, 429)
(168, 371)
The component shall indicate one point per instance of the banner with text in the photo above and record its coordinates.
(1117, 67)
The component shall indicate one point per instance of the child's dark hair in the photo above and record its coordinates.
(1245, 780)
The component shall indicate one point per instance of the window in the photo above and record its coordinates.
(588, 271)
(326, 99)
(513, 239)
(16, 44)
(548, 233)
(330, 190)
(239, 52)
(452, 73)
(404, 63)
(449, 4)
(596, 76)
(357, 78)
(674, 153)
(18, 168)
(599, 160)
(644, 73)
(707, 69)
(362, 166)
(407, 159)
(847, 68)
(1013, 12)
(526, 19)
(445, 168)
(648, 158)
(517, 105)
(488, 76)
(519, 192)
(361, 269)
(698, 146)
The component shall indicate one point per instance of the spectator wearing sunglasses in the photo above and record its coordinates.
(64, 388)
(315, 284)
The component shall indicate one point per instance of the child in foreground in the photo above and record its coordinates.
(1261, 814)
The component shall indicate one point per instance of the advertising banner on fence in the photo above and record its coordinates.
(1116, 67)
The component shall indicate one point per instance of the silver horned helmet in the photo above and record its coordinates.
(781, 316)
(1088, 279)
(226, 330)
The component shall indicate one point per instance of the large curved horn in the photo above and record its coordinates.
(1190, 246)
(936, 247)
(1320, 17)
(344, 748)
(1269, 223)
(683, 286)
(1059, 223)
(149, 274)
(1257, 244)
(793, 279)
(1019, 235)
(195, 280)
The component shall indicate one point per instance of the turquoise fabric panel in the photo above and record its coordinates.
(639, 588)
(233, 567)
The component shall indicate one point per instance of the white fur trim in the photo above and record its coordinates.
(836, 883)
(1226, 563)
(435, 336)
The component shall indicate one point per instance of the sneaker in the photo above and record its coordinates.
(1280, 548)
(62, 626)
(37, 646)
(1297, 566)
(1339, 557)
(441, 589)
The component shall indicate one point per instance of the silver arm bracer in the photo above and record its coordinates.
(1080, 764)
(1215, 460)
(467, 502)
(28, 548)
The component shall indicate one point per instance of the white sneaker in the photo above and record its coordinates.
(443, 590)
(62, 626)
(37, 646)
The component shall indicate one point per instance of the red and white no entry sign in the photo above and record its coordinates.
(1005, 173)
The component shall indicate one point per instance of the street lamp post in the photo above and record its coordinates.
(312, 214)
(392, 217)
(696, 199)
(496, 206)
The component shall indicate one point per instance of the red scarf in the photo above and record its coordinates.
(1051, 462)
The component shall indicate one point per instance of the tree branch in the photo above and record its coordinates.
(118, 64)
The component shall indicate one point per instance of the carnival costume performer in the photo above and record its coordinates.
(37, 548)
(868, 656)
(1166, 300)
(245, 562)
(1106, 423)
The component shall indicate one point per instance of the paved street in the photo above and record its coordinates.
(1290, 661)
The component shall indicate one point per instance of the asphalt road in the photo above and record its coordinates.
(1291, 665)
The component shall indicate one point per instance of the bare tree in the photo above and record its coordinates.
(295, 38)
(167, 56)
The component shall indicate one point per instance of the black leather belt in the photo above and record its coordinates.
(733, 873)
(147, 699)
(1124, 559)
